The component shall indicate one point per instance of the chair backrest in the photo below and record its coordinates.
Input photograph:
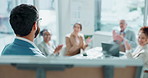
(8, 71)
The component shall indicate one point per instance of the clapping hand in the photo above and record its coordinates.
(86, 45)
(58, 48)
(117, 37)
(114, 35)
(88, 40)
(127, 45)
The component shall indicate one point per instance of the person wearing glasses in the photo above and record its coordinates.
(47, 47)
(123, 35)
(24, 22)
(75, 41)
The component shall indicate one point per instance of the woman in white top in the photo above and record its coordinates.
(141, 52)
(47, 47)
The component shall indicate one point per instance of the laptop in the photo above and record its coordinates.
(110, 49)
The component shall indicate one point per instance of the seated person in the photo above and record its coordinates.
(39, 38)
(23, 20)
(47, 47)
(75, 41)
(141, 52)
(124, 35)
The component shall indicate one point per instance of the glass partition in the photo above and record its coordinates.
(6, 32)
(110, 12)
(47, 12)
(114, 10)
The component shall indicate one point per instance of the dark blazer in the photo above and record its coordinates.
(21, 47)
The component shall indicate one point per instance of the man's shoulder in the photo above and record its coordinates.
(129, 31)
(8, 49)
(13, 49)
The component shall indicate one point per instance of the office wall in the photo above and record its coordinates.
(100, 37)
(64, 19)
(4, 40)
(68, 16)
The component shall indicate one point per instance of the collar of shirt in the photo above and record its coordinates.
(145, 47)
(140, 49)
(123, 30)
(24, 39)
(79, 34)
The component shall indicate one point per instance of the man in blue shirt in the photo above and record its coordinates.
(24, 22)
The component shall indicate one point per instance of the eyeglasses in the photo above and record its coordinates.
(38, 21)
(47, 35)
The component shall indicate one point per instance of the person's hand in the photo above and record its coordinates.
(77, 43)
(123, 35)
(114, 35)
(86, 45)
(58, 48)
(127, 45)
(88, 40)
(83, 47)
(120, 38)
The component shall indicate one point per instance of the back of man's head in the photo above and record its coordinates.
(22, 19)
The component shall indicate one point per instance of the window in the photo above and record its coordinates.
(6, 6)
(114, 10)
(47, 11)
(6, 32)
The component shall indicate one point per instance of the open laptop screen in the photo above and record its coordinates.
(110, 49)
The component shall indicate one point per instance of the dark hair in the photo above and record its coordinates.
(144, 30)
(41, 33)
(78, 24)
(22, 19)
